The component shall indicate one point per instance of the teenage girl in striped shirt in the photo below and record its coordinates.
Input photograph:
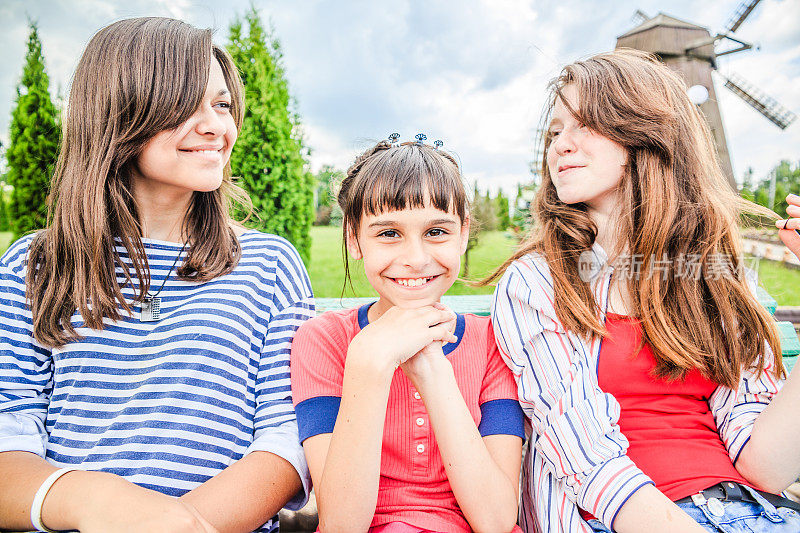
(407, 413)
(144, 336)
(647, 367)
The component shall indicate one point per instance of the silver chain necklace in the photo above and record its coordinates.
(151, 304)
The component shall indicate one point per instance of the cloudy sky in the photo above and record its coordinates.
(470, 72)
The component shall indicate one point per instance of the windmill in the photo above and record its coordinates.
(693, 51)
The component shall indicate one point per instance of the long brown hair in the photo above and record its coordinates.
(675, 204)
(136, 78)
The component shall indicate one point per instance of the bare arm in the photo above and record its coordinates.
(345, 465)
(649, 510)
(483, 477)
(247, 493)
(771, 458)
(21, 475)
(92, 502)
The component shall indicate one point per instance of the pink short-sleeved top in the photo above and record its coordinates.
(413, 485)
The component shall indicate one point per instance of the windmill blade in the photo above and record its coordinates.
(758, 100)
(639, 17)
(741, 13)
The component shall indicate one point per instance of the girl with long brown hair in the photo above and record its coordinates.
(648, 369)
(144, 339)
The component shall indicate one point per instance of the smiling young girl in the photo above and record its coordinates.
(644, 361)
(408, 416)
(144, 337)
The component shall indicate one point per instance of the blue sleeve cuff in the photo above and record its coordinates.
(22, 433)
(502, 417)
(316, 416)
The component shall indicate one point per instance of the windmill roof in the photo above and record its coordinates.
(662, 19)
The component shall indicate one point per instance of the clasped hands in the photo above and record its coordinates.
(411, 339)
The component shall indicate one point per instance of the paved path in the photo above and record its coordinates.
(775, 252)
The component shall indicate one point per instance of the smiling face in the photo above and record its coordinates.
(584, 166)
(411, 256)
(192, 157)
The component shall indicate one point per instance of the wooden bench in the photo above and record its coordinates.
(305, 520)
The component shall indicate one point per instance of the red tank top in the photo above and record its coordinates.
(673, 437)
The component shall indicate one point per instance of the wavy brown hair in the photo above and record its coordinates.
(136, 78)
(675, 203)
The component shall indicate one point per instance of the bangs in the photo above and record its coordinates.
(410, 176)
(138, 77)
(173, 80)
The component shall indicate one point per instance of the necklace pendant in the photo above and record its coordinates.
(151, 309)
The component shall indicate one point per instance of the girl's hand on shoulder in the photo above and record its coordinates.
(399, 334)
(788, 235)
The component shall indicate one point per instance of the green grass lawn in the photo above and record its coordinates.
(327, 269)
(782, 283)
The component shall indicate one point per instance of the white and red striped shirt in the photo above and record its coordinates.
(577, 454)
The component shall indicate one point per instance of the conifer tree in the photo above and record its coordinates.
(269, 156)
(4, 223)
(3, 200)
(33, 149)
(502, 211)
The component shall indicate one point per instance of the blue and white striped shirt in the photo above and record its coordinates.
(168, 404)
(577, 453)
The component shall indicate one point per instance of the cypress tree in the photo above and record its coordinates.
(502, 210)
(4, 224)
(3, 202)
(34, 142)
(269, 156)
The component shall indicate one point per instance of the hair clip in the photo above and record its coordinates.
(420, 137)
(393, 139)
(437, 144)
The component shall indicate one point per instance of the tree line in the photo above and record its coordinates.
(786, 176)
(490, 213)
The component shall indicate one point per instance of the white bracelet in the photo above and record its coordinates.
(38, 499)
